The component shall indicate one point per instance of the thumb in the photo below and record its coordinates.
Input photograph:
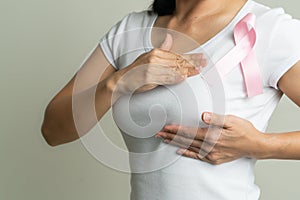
(168, 43)
(215, 119)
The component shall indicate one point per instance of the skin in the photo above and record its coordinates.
(238, 137)
(157, 67)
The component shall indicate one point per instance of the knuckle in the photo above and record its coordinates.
(222, 132)
(155, 51)
(212, 157)
(216, 162)
(216, 151)
(209, 156)
(213, 162)
(152, 59)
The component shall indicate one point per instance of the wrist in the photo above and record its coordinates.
(114, 86)
(110, 83)
(267, 146)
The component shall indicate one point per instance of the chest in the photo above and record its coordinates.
(148, 112)
(187, 36)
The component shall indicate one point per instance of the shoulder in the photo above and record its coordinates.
(130, 22)
(272, 18)
(135, 20)
(142, 15)
(274, 23)
(278, 42)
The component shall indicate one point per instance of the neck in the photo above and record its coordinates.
(187, 10)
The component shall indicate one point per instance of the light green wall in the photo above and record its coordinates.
(42, 45)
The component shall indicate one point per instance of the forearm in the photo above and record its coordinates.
(280, 146)
(65, 121)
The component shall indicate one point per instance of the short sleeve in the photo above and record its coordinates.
(111, 40)
(284, 47)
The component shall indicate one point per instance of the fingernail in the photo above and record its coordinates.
(167, 141)
(199, 68)
(158, 136)
(207, 117)
(180, 151)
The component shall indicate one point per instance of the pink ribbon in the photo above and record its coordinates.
(243, 54)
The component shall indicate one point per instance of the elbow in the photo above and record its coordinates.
(49, 128)
(48, 135)
(55, 130)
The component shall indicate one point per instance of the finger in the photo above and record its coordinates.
(197, 60)
(163, 75)
(216, 119)
(215, 162)
(168, 43)
(202, 154)
(174, 58)
(171, 79)
(145, 88)
(204, 159)
(185, 131)
(203, 63)
(162, 54)
(192, 57)
(187, 153)
(187, 142)
(185, 69)
(172, 128)
(174, 143)
(171, 63)
(176, 61)
(193, 71)
(188, 132)
(188, 69)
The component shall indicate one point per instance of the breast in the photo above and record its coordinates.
(140, 116)
(144, 114)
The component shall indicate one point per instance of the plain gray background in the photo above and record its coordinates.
(43, 43)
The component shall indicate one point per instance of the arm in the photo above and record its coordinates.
(234, 137)
(72, 113)
(58, 126)
(286, 145)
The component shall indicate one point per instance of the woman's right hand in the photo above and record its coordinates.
(158, 67)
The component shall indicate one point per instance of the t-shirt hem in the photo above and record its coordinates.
(285, 66)
(107, 54)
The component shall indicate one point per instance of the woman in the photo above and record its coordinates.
(222, 167)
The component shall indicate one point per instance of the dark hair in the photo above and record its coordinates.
(163, 7)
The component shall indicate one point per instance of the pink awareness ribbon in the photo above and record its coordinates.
(243, 54)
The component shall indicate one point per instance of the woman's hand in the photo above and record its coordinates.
(157, 67)
(228, 138)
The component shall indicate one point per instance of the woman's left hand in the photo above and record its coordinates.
(227, 139)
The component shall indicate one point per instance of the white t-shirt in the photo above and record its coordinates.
(277, 50)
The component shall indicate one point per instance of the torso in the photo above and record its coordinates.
(233, 180)
(191, 27)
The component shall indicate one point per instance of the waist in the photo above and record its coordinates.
(192, 179)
